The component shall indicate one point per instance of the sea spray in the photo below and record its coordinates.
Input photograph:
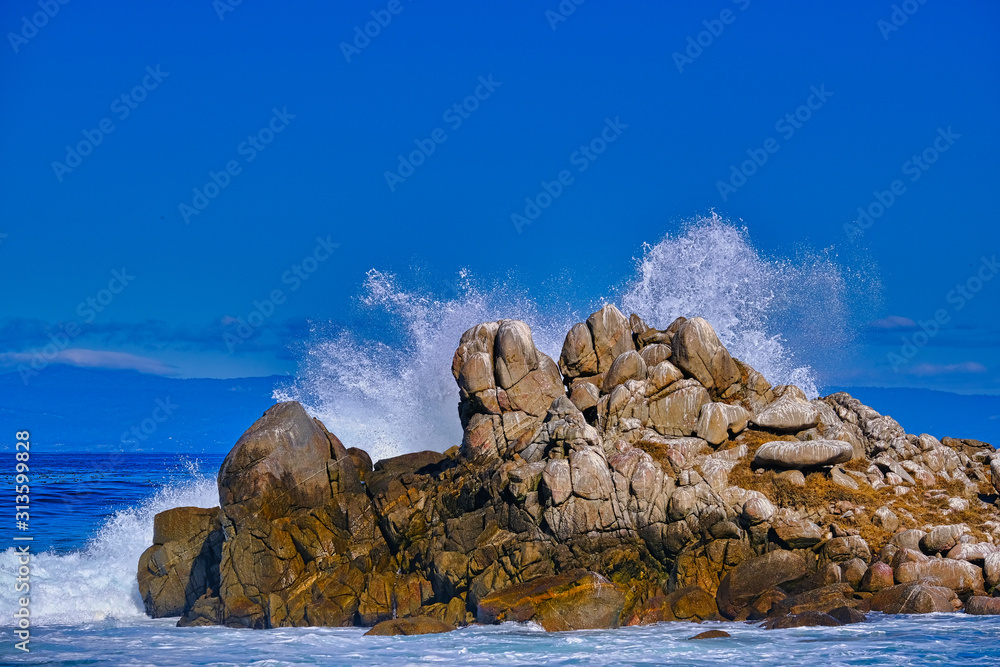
(98, 583)
(389, 389)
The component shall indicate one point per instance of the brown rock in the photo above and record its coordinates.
(847, 615)
(752, 577)
(414, 625)
(797, 533)
(877, 577)
(979, 605)
(574, 600)
(914, 598)
(711, 634)
(803, 620)
(698, 351)
(628, 366)
(612, 336)
(960, 576)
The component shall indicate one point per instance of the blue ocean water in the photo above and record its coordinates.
(92, 518)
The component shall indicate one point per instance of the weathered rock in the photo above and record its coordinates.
(788, 414)
(798, 455)
(628, 366)
(979, 605)
(414, 625)
(914, 598)
(699, 353)
(690, 603)
(718, 420)
(793, 477)
(848, 615)
(711, 634)
(802, 620)
(575, 600)
(877, 577)
(612, 336)
(942, 538)
(752, 577)
(677, 412)
(960, 576)
(885, 519)
(183, 563)
(842, 479)
(797, 533)
(821, 599)
(991, 569)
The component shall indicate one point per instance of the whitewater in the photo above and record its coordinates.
(388, 388)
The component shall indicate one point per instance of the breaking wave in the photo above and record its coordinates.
(389, 388)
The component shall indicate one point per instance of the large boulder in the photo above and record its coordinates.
(574, 600)
(788, 414)
(960, 576)
(914, 598)
(690, 603)
(798, 455)
(182, 565)
(284, 462)
(698, 351)
(754, 576)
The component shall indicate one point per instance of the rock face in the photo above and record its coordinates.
(183, 563)
(647, 477)
(799, 455)
(575, 600)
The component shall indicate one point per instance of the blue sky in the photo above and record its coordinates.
(293, 134)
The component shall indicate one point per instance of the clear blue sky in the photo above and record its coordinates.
(879, 94)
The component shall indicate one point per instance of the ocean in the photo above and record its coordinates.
(92, 517)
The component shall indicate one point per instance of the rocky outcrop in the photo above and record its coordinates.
(646, 477)
(183, 563)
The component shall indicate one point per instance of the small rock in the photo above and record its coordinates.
(842, 479)
(793, 477)
(711, 634)
(848, 615)
(885, 519)
(415, 625)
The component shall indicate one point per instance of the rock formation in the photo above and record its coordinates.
(646, 476)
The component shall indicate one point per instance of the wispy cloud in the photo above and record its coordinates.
(894, 322)
(84, 358)
(925, 370)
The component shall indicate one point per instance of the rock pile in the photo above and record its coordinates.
(646, 476)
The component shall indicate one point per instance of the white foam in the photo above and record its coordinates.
(99, 582)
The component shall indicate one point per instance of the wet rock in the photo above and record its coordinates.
(754, 576)
(690, 603)
(804, 620)
(711, 634)
(847, 615)
(914, 598)
(183, 562)
(818, 600)
(782, 454)
(575, 600)
(979, 605)
(415, 625)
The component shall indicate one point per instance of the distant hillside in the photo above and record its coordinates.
(939, 413)
(76, 409)
(86, 409)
